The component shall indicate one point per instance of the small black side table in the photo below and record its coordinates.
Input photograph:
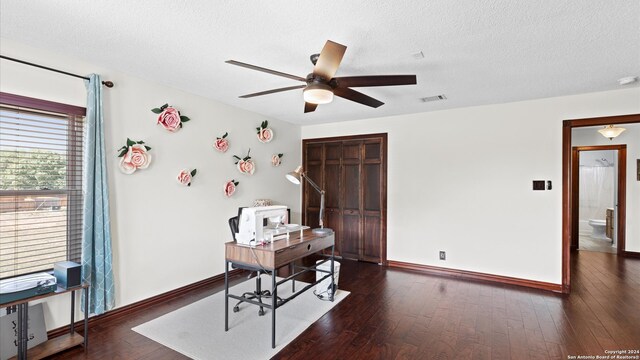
(56, 344)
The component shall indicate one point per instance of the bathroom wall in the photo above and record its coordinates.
(597, 186)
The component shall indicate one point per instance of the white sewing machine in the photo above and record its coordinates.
(261, 224)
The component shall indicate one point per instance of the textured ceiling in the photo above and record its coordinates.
(475, 52)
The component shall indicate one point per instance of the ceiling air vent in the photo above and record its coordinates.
(418, 56)
(434, 98)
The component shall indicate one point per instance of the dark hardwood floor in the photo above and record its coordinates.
(395, 314)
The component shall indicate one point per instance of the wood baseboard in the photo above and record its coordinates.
(631, 254)
(464, 274)
(127, 309)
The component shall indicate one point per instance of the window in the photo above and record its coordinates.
(40, 184)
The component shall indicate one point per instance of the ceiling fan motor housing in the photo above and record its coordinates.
(315, 79)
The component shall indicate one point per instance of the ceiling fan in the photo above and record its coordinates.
(320, 85)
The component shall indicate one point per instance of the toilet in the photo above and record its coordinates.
(598, 228)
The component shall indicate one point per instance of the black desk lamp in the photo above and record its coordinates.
(295, 177)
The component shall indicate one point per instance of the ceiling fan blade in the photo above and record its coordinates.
(268, 71)
(329, 60)
(272, 91)
(309, 107)
(358, 97)
(375, 80)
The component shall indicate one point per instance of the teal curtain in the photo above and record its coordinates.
(96, 236)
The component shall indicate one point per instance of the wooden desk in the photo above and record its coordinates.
(270, 257)
(56, 344)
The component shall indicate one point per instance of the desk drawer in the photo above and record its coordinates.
(300, 250)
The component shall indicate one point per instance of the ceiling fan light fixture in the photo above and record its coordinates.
(318, 94)
(611, 131)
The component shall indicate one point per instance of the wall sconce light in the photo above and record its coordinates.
(611, 131)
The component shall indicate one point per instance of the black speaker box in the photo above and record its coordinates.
(67, 274)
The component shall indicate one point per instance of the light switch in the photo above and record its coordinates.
(538, 185)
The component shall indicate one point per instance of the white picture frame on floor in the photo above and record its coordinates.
(37, 332)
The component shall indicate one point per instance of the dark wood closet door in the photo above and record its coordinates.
(313, 167)
(352, 170)
(332, 184)
(351, 200)
(372, 214)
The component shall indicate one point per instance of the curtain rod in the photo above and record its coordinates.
(108, 84)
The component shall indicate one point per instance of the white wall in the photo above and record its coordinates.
(460, 181)
(164, 235)
(631, 137)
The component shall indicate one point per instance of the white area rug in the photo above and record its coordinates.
(197, 330)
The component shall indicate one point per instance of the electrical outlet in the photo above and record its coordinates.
(443, 255)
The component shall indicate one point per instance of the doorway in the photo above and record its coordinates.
(568, 184)
(353, 172)
(598, 194)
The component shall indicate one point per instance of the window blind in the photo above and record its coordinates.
(40, 189)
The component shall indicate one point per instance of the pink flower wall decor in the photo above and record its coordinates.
(245, 165)
(222, 144)
(170, 118)
(230, 187)
(276, 160)
(265, 134)
(133, 156)
(185, 176)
